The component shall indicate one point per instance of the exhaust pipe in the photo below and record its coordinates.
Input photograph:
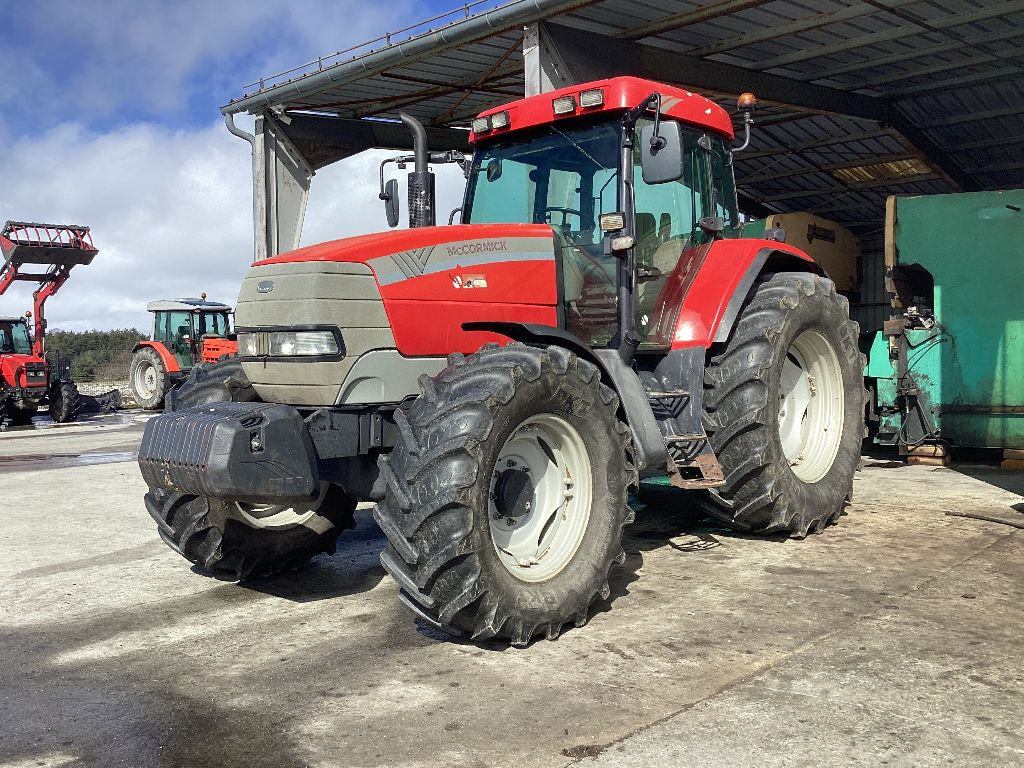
(421, 180)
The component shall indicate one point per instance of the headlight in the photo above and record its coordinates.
(247, 346)
(287, 343)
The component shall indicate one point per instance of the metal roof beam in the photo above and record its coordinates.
(686, 18)
(487, 24)
(777, 31)
(993, 75)
(898, 33)
(847, 190)
(973, 145)
(619, 57)
(974, 116)
(847, 138)
(323, 140)
(852, 163)
(932, 70)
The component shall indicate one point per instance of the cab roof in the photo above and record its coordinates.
(619, 94)
(187, 305)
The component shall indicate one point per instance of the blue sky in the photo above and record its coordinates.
(111, 119)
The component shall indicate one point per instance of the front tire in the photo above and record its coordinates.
(147, 379)
(784, 409)
(217, 382)
(222, 537)
(508, 441)
(65, 402)
(234, 541)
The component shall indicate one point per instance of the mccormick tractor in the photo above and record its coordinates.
(498, 386)
(186, 332)
(27, 380)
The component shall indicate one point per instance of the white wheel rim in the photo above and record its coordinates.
(548, 453)
(279, 516)
(145, 378)
(811, 409)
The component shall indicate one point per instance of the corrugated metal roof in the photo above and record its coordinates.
(952, 70)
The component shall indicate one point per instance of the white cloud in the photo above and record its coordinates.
(170, 211)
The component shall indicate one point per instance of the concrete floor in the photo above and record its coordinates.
(893, 638)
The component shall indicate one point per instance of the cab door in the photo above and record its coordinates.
(670, 244)
(174, 329)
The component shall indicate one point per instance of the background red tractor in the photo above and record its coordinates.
(186, 332)
(44, 254)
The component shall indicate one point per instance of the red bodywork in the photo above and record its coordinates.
(620, 93)
(169, 360)
(210, 351)
(426, 313)
(59, 247)
(12, 372)
(213, 349)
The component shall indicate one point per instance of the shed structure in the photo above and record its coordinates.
(861, 99)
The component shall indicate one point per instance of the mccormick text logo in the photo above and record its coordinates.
(477, 246)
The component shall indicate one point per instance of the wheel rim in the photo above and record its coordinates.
(145, 378)
(811, 410)
(539, 498)
(279, 516)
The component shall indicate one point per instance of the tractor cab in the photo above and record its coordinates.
(14, 336)
(636, 186)
(181, 325)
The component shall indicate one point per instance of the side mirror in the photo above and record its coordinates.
(494, 169)
(661, 157)
(391, 203)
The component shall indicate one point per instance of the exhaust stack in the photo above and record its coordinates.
(421, 181)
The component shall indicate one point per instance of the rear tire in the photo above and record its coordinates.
(448, 499)
(65, 402)
(235, 541)
(784, 409)
(147, 379)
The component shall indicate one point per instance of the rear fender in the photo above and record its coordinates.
(649, 446)
(722, 283)
(170, 361)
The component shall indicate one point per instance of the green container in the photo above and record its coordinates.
(970, 366)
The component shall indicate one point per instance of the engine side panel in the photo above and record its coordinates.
(430, 292)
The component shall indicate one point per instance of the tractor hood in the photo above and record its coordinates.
(392, 297)
(402, 254)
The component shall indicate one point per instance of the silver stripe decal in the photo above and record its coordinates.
(405, 265)
(395, 276)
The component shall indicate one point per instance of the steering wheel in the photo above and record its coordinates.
(566, 213)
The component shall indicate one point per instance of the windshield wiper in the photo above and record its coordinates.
(581, 149)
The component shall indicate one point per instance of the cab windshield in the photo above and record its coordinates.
(565, 177)
(14, 338)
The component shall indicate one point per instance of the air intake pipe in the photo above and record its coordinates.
(421, 180)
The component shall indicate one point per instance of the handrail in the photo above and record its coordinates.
(388, 38)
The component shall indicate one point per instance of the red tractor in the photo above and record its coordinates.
(27, 381)
(186, 332)
(500, 385)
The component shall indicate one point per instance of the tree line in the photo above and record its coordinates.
(94, 354)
